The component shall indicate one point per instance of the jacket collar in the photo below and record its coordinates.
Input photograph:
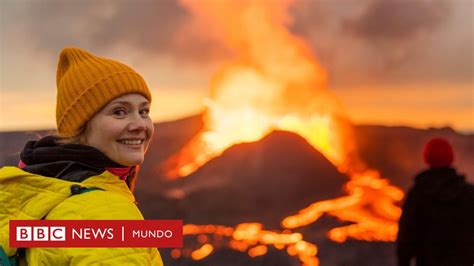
(71, 162)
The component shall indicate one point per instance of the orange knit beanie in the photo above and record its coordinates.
(86, 83)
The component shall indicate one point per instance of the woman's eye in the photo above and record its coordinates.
(145, 112)
(119, 112)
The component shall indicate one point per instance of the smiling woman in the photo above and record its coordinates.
(88, 169)
(121, 130)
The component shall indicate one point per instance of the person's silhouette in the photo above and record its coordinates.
(437, 222)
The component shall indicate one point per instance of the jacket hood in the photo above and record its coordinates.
(444, 184)
(46, 150)
(72, 162)
(28, 196)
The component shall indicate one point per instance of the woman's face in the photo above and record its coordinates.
(122, 129)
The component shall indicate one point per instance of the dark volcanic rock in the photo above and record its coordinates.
(259, 182)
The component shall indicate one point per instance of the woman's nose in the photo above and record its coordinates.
(137, 123)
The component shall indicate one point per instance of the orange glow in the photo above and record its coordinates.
(251, 238)
(275, 83)
(202, 252)
(175, 253)
(203, 239)
(238, 245)
(252, 233)
(258, 251)
(370, 205)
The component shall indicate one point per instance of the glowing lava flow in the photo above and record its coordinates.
(250, 238)
(369, 205)
(275, 83)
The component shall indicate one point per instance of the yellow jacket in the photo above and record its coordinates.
(26, 196)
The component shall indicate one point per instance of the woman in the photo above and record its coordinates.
(87, 171)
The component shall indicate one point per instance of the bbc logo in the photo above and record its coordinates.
(41, 233)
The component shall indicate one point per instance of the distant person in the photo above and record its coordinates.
(87, 170)
(437, 222)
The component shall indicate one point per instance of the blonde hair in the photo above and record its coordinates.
(79, 138)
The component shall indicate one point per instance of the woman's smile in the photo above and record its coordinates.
(134, 142)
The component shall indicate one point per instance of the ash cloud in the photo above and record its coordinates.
(394, 20)
(397, 30)
(362, 40)
(414, 40)
(392, 41)
(153, 27)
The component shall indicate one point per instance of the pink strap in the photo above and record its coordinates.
(21, 164)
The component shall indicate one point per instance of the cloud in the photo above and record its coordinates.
(389, 41)
(395, 20)
(356, 40)
(397, 29)
(152, 27)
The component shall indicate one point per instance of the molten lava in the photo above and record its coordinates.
(250, 238)
(275, 83)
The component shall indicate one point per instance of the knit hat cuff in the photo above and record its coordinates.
(94, 98)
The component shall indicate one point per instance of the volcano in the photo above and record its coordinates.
(282, 171)
(265, 181)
